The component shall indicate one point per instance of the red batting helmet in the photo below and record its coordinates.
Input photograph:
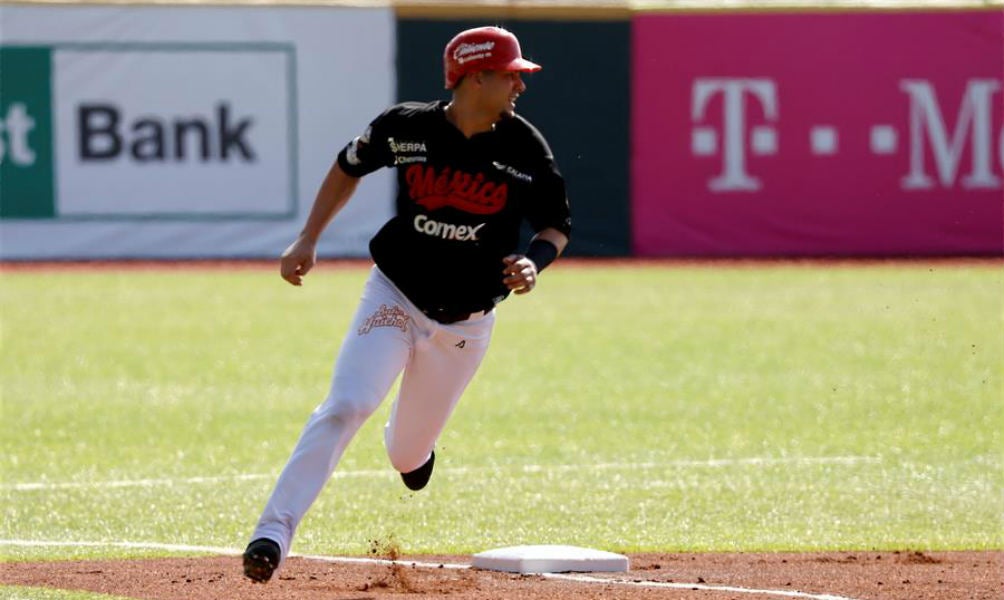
(483, 49)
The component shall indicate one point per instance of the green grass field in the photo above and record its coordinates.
(681, 407)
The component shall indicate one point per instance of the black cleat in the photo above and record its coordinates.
(417, 479)
(260, 559)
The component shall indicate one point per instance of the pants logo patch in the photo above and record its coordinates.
(386, 316)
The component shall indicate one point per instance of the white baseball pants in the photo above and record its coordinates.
(389, 335)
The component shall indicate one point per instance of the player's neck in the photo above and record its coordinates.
(469, 119)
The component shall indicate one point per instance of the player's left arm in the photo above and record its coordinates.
(553, 235)
(549, 215)
(553, 225)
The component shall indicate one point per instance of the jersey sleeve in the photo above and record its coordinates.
(369, 151)
(549, 207)
(548, 203)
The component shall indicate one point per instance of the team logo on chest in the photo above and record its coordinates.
(432, 189)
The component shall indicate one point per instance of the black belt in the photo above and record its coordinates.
(447, 316)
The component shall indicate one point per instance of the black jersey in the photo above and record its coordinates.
(460, 201)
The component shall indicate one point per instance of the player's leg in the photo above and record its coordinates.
(372, 355)
(439, 371)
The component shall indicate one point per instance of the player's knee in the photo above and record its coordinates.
(347, 409)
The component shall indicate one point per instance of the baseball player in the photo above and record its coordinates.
(469, 172)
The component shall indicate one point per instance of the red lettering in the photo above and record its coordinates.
(460, 180)
(458, 189)
(484, 194)
(419, 181)
(443, 182)
(500, 196)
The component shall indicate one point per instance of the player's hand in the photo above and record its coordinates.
(520, 273)
(297, 260)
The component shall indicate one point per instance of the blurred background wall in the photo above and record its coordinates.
(684, 129)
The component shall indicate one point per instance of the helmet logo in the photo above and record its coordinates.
(469, 52)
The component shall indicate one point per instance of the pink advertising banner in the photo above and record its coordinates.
(818, 134)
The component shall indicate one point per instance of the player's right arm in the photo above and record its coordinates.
(362, 155)
(336, 189)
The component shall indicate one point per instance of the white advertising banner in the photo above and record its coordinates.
(184, 132)
(133, 134)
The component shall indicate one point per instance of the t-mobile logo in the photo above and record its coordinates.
(733, 135)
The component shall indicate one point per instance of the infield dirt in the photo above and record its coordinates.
(848, 575)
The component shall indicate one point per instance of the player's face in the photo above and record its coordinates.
(500, 89)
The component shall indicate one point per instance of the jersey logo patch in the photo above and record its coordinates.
(399, 147)
(385, 316)
(511, 171)
(447, 231)
(406, 151)
(434, 189)
(461, 344)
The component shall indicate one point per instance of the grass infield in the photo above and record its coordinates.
(714, 407)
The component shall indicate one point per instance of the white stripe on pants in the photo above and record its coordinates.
(389, 334)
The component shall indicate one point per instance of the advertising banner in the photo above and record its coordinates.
(818, 134)
(155, 132)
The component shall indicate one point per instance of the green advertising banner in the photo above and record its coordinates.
(26, 164)
(579, 101)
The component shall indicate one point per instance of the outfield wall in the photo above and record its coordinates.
(185, 131)
(818, 134)
(175, 132)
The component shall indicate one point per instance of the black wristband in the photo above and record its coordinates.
(542, 253)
